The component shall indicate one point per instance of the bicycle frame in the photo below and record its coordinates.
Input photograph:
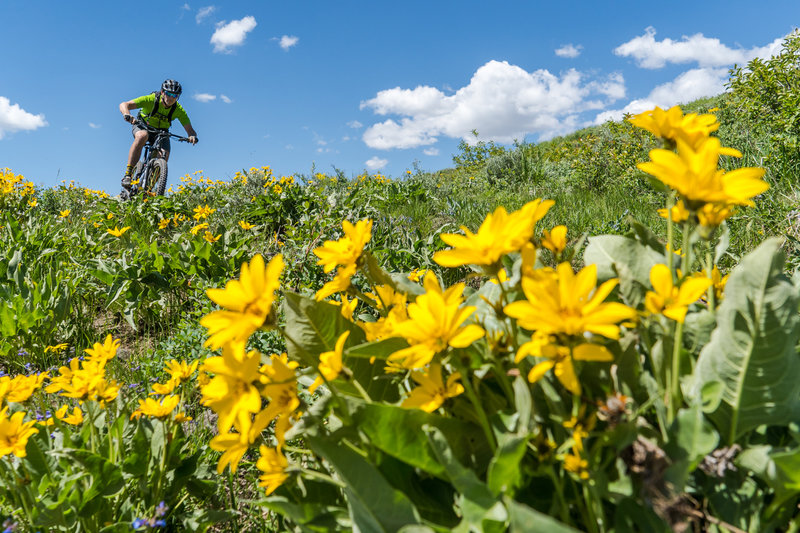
(149, 154)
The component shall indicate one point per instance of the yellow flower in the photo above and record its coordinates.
(281, 389)
(673, 125)
(208, 236)
(569, 304)
(109, 216)
(499, 234)
(200, 227)
(14, 433)
(560, 359)
(202, 212)
(165, 388)
(65, 213)
(232, 392)
(57, 348)
(694, 175)
(347, 250)
(246, 225)
(234, 445)
(435, 322)
(247, 302)
(432, 391)
(555, 240)
(163, 223)
(330, 363)
(75, 418)
(417, 274)
(181, 370)
(273, 464)
(340, 282)
(116, 232)
(32, 202)
(156, 409)
(679, 212)
(712, 215)
(669, 300)
(19, 388)
(577, 465)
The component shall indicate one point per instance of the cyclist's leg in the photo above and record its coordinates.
(164, 146)
(139, 140)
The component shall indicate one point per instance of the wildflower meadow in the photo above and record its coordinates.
(599, 333)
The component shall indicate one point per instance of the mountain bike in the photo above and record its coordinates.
(149, 176)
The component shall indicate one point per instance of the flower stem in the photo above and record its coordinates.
(675, 381)
(473, 398)
(712, 297)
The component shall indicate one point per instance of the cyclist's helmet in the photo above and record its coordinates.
(172, 86)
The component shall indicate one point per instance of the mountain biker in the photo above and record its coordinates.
(159, 109)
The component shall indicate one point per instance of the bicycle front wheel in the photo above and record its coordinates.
(157, 176)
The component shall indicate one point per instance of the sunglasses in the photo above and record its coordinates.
(172, 95)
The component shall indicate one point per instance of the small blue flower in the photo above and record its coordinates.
(139, 522)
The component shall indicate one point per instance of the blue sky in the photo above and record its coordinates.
(375, 86)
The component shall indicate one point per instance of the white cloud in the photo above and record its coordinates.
(705, 51)
(569, 50)
(355, 124)
(94, 126)
(689, 86)
(225, 99)
(502, 102)
(14, 118)
(204, 97)
(431, 151)
(203, 13)
(287, 41)
(232, 34)
(376, 163)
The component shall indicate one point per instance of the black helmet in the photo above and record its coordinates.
(171, 86)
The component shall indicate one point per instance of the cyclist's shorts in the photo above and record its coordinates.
(164, 144)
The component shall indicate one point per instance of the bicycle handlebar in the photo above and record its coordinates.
(145, 126)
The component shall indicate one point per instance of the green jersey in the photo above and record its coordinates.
(161, 118)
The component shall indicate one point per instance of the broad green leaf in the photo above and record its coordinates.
(505, 474)
(374, 504)
(398, 432)
(752, 350)
(480, 509)
(524, 519)
(626, 259)
(313, 327)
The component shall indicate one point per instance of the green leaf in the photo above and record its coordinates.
(626, 259)
(398, 432)
(374, 504)
(479, 507)
(313, 327)
(505, 474)
(524, 519)
(752, 350)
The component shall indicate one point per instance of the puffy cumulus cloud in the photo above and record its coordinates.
(231, 34)
(705, 51)
(287, 41)
(502, 102)
(204, 97)
(689, 86)
(431, 151)
(376, 163)
(14, 118)
(569, 50)
(355, 124)
(203, 13)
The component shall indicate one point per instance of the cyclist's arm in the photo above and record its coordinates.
(125, 107)
(190, 131)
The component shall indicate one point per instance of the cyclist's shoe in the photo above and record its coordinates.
(124, 195)
(126, 182)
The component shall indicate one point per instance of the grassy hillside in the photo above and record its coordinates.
(77, 266)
